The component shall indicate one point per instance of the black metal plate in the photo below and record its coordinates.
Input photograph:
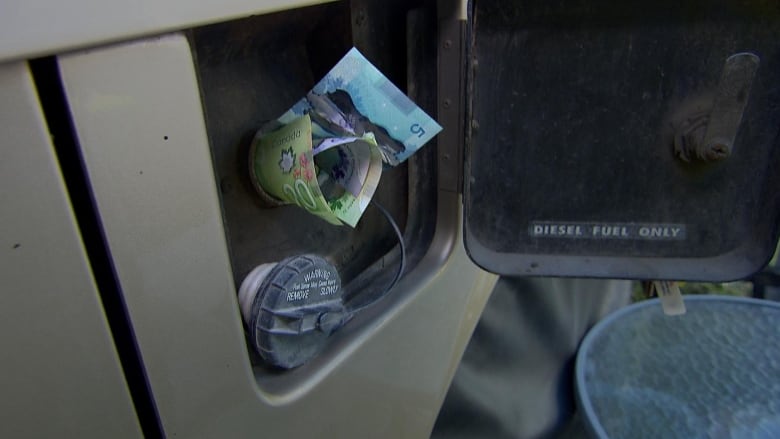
(572, 111)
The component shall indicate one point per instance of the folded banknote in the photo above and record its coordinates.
(326, 153)
(355, 98)
(335, 181)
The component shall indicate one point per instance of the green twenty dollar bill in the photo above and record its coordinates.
(335, 181)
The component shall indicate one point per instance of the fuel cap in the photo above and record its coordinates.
(291, 307)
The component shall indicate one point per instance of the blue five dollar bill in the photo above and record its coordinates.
(354, 99)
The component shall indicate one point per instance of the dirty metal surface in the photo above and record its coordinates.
(571, 151)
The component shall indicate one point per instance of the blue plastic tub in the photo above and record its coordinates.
(711, 373)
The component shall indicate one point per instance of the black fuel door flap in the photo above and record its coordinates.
(623, 139)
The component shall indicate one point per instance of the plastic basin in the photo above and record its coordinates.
(713, 372)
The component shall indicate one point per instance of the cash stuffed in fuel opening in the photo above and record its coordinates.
(327, 152)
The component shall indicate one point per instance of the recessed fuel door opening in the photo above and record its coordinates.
(253, 70)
